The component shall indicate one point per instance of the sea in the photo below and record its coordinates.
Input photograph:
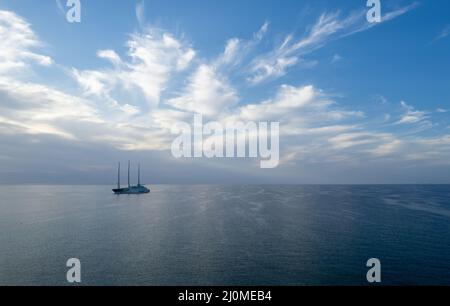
(226, 235)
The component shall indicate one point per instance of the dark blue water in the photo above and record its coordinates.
(225, 235)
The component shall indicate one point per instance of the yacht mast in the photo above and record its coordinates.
(139, 174)
(118, 177)
(128, 174)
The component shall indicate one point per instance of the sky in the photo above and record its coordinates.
(357, 102)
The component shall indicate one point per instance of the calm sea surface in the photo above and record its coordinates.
(225, 235)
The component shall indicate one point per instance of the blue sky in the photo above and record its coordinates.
(357, 102)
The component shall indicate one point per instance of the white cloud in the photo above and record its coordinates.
(153, 57)
(388, 148)
(38, 109)
(207, 93)
(140, 13)
(111, 56)
(412, 115)
(17, 44)
(29, 107)
(236, 50)
(231, 51)
(287, 100)
(300, 106)
(275, 68)
(262, 31)
(35, 109)
(94, 82)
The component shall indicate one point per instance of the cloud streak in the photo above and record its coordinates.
(18, 44)
(443, 34)
(329, 26)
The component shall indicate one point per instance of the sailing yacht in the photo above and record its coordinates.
(138, 189)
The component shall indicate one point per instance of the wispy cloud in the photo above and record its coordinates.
(237, 50)
(380, 99)
(140, 14)
(412, 115)
(443, 34)
(336, 58)
(329, 26)
(60, 7)
(18, 45)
